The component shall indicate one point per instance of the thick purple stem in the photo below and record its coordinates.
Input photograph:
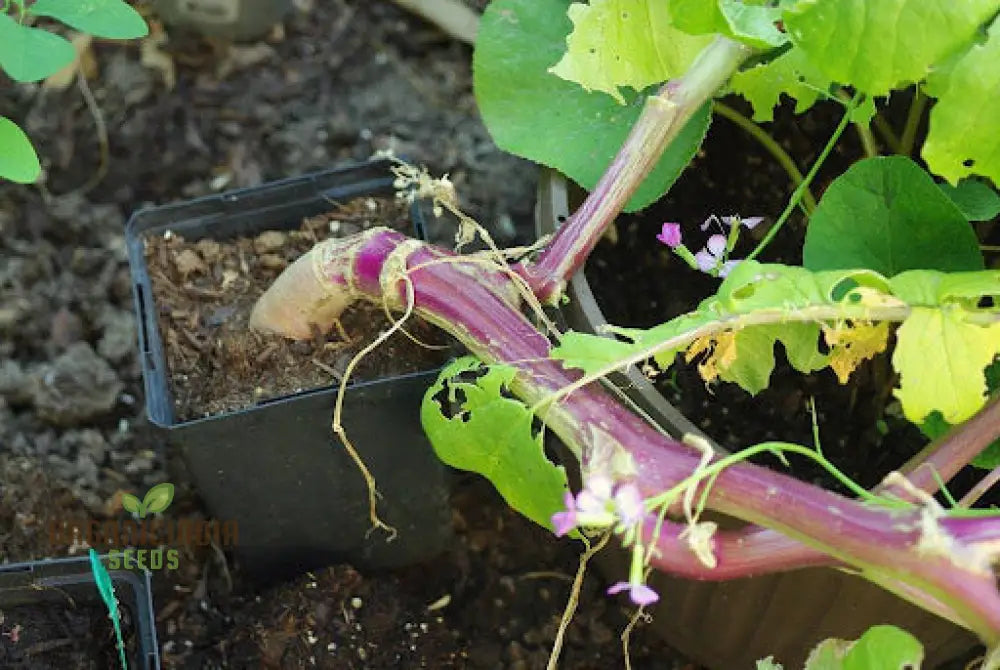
(889, 546)
(662, 118)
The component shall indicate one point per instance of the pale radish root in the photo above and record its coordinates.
(310, 295)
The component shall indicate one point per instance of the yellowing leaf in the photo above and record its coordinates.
(941, 360)
(625, 43)
(720, 354)
(854, 343)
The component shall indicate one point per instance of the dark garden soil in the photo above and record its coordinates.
(860, 425)
(187, 117)
(206, 289)
(53, 637)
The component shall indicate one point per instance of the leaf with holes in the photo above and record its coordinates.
(617, 43)
(486, 431)
(876, 47)
(962, 137)
(789, 74)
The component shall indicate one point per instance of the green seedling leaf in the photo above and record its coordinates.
(753, 25)
(882, 647)
(112, 19)
(31, 54)
(961, 138)
(789, 74)
(617, 43)
(106, 589)
(878, 46)
(537, 115)
(975, 198)
(887, 214)
(941, 358)
(133, 505)
(159, 497)
(491, 433)
(18, 160)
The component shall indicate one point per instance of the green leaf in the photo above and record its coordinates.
(878, 46)
(962, 137)
(103, 581)
(882, 647)
(113, 19)
(753, 25)
(940, 358)
(934, 426)
(31, 54)
(769, 664)
(887, 214)
(534, 114)
(492, 434)
(789, 74)
(159, 497)
(975, 198)
(618, 43)
(133, 505)
(18, 160)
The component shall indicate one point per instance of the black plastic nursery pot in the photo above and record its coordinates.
(276, 469)
(231, 19)
(726, 625)
(50, 606)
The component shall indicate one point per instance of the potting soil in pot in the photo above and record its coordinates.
(57, 636)
(205, 290)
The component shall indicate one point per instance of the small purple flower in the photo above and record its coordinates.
(565, 521)
(735, 220)
(640, 594)
(670, 235)
(629, 505)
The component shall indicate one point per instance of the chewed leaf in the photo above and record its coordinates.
(474, 425)
(789, 74)
(941, 360)
(850, 344)
(878, 46)
(961, 138)
(618, 43)
(133, 505)
(159, 497)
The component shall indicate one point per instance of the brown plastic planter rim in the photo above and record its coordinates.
(728, 625)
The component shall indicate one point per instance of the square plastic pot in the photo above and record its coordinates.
(276, 468)
(68, 583)
(727, 625)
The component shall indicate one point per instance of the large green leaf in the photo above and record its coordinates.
(886, 214)
(491, 433)
(31, 54)
(113, 19)
(876, 46)
(533, 113)
(18, 161)
(963, 137)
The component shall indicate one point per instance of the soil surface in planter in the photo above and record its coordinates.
(188, 117)
(205, 290)
(54, 636)
(638, 282)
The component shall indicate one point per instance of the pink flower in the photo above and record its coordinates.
(670, 235)
(640, 594)
(565, 521)
(711, 259)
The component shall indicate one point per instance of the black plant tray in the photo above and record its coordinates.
(68, 583)
(276, 468)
